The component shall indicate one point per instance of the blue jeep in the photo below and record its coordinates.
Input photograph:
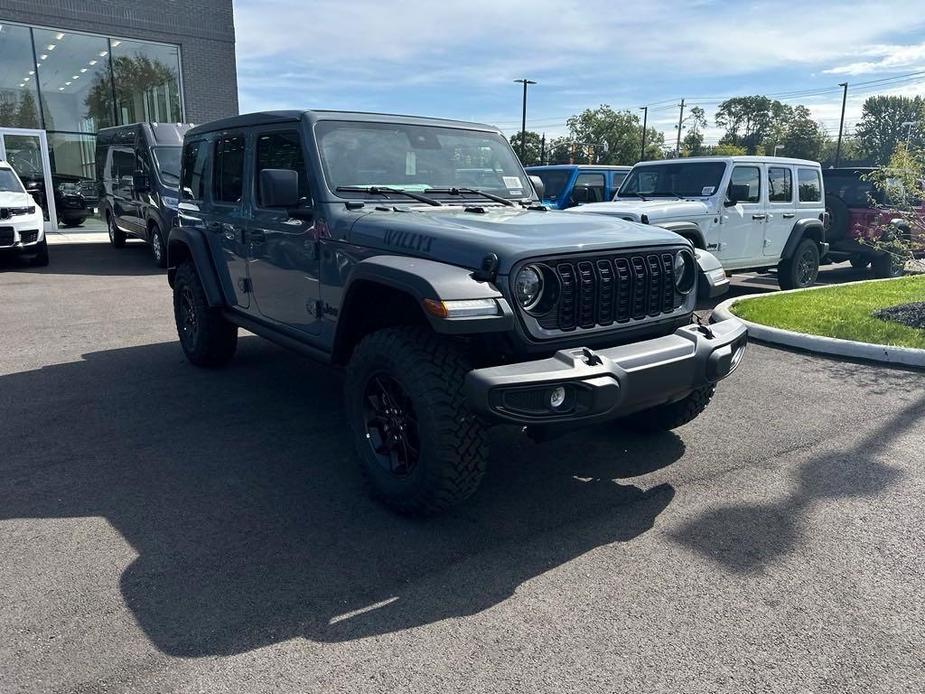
(568, 185)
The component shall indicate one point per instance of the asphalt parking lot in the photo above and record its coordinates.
(170, 529)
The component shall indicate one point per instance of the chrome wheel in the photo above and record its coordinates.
(156, 249)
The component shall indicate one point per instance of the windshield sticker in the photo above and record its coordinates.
(515, 191)
(411, 164)
(708, 190)
(512, 183)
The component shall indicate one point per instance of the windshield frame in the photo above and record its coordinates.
(14, 178)
(717, 188)
(329, 187)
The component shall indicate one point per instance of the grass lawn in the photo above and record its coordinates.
(841, 311)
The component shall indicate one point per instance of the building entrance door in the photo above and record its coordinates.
(27, 152)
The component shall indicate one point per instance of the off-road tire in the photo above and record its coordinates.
(674, 414)
(211, 340)
(40, 259)
(790, 272)
(158, 247)
(884, 266)
(116, 236)
(453, 448)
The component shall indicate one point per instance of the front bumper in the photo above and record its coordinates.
(608, 383)
(21, 235)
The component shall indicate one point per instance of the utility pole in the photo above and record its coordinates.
(677, 149)
(523, 126)
(841, 123)
(543, 149)
(645, 121)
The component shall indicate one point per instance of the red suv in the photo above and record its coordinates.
(857, 212)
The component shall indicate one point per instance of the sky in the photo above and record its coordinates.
(459, 58)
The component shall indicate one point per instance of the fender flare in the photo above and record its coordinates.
(185, 242)
(686, 229)
(799, 231)
(423, 279)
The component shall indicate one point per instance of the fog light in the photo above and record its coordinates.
(557, 397)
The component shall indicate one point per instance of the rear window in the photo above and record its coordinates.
(810, 185)
(780, 184)
(228, 169)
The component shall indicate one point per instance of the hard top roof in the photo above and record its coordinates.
(313, 116)
(596, 167)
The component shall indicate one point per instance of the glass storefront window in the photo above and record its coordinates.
(74, 80)
(147, 82)
(18, 97)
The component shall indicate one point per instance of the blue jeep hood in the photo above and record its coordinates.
(452, 235)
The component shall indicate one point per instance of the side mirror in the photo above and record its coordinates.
(279, 188)
(140, 182)
(538, 186)
(736, 194)
(33, 186)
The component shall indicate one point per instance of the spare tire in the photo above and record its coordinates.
(838, 218)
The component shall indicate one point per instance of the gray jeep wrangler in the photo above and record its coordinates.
(413, 252)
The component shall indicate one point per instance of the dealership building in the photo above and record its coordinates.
(69, 68)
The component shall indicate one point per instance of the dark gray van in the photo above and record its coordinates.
(138, 168)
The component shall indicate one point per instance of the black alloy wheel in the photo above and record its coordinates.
(391, 425)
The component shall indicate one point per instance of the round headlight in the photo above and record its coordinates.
(685, 272)
(528, 286)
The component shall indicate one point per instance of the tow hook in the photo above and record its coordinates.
(591, 359)
(702, 328)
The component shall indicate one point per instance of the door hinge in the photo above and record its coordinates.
(245, 285)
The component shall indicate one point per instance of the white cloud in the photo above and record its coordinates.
(888, 58)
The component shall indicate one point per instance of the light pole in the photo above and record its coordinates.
(645, 120)
(841, 123)
(677, 149)
(523, 123)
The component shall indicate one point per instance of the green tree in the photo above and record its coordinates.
(614, 137)
(27, 116)
(724, 150)
(850, 152)
(881, 126)
(749, 120)
(531, 156)
(800, 135)
(692, 144)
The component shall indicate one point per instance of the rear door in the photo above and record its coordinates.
(589, 187)
(781, 209)
(283, 249)
(226, 221)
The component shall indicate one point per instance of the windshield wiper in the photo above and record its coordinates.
(382, 190)
(471, 191)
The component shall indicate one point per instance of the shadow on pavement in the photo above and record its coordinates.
(89, 259)
(238, 490)
(746, 537)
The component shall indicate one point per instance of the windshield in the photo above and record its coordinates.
(554, 181)
(417, 158)
(167, 161)
(674, 178)
(9, 183)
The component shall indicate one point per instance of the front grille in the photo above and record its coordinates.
(607, 289)
(6, 236)
(30, 236)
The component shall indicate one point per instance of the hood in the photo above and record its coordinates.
(661, 209)
(452, 235)
(9, 199)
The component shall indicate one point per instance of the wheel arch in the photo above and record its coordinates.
(184, 244)
(804, 229)
(688, 230)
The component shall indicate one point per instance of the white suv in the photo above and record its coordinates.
(22, 229)
(752, 213)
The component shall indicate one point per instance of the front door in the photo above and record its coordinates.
(27, 152)
(283, 249)
(743, 223)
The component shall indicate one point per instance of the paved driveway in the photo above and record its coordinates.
(165, 528)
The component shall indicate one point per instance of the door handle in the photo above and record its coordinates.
(788, 215)
(759, 216)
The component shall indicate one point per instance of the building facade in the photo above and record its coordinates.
(71, 67)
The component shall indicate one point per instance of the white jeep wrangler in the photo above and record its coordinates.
(752, 213)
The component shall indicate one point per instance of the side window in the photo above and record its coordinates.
(780, 184)
(228, 169)
(595, 185)
(748, 181)
(810, 185)
(192, 184)
(282, 150)
(123, 163)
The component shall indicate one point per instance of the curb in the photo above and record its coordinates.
(884, 354)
